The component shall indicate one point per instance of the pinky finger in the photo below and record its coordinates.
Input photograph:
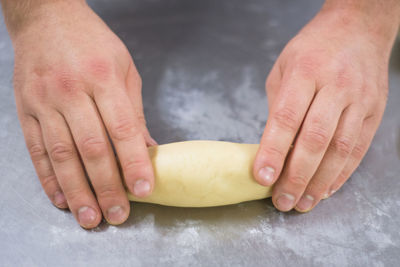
(41, 161)
(364, 141)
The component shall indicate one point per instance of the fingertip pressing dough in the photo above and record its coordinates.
(203, 174)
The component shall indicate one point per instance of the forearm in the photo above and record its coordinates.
(381, 18)
(18, 14)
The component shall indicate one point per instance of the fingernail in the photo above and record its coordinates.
(305, 203)
(141, 188)
(86, 216)
(325, 196)
(59, 198)
(266, 174)
(115, 215)
(285, 202)
(332, 192)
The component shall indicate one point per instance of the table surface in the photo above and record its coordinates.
(203, 65)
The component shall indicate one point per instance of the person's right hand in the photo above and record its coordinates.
(76, 87)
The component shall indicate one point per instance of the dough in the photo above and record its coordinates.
(203, 174)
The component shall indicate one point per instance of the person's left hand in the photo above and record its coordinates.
(327, 93)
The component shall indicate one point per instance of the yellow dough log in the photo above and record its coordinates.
(204, 174)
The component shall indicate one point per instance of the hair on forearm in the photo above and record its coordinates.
(18, 12)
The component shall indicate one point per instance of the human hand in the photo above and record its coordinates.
(76, 86)
(327, 93)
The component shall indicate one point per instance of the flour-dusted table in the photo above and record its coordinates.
(203, 65)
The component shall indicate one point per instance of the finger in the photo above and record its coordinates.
(68, 169)
(284, 120)
(313, 140)
(122, 125)
(98, 157)
(41, 161)
(335, 158)
(360, 149)
(134, 90)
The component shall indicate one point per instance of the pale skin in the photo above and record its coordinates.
(76, 84)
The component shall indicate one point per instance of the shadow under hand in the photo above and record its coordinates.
(165, 216)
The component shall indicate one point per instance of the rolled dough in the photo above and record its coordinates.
(203, 174)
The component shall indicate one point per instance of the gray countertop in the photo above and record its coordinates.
(203, 65)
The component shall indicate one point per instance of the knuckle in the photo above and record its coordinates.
(100, 68)
(134, 167)
(108, 191)
(75, 195)
(61, 152)
(318, 187)
(342, 146)
(141, 118)
(286, 119)
(368, 100)
(48, 181)
(273, 152)
(298, 180)
(123, 129)
(94, 148)
(358, 151)
(346, 79)
(32, 90)
(33, 94)
(316, 139)
(343, 176)
(306, 66)
(37, 151)
(67, 83)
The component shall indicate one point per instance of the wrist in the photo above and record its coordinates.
(20, 15)
(380, 21)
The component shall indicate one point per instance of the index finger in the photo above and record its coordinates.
(286, 116)
(123, 126)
